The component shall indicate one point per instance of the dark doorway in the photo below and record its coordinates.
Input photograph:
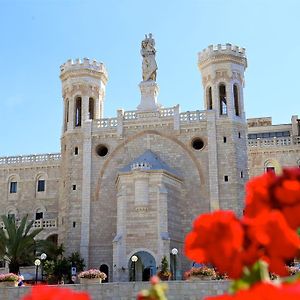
(104, 269)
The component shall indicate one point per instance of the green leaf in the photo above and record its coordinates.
(257, 273)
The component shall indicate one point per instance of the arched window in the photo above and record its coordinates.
(91, 108)
(209, 98)
(66, 114)
(271, 165)
(223, 99)
(39, 214)
(12, 214)
(236, 100)
(78, 112)
(41, 184)
(13, 185)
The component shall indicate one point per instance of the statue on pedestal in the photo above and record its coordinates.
(149, 65)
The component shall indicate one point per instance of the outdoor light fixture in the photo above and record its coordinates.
(134, 259)
(174, 252)
(37, 263)
(43, 257)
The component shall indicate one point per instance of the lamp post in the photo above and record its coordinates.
(134, 259)
(37, 263)
(174, 252)
(43, 257)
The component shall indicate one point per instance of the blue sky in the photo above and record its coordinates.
(37, 36)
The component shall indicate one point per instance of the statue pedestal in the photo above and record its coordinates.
(149, 91)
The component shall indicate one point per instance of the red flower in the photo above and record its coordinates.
(269, 192)
(42, 292)
(274, 240)
(217, 238)
(265, 291)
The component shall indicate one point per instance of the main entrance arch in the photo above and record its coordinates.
(141, 266)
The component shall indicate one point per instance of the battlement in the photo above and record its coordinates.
(83, 64)
(213, 51)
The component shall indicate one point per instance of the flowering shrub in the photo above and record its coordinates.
(92, 273)
(199, 272)
(9, 277)
(260, 243)
(43, 292)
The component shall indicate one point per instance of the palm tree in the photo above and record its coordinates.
(17, 243)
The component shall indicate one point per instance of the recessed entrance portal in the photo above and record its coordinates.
(141, 266)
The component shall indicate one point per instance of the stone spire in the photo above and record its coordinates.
(149, 87)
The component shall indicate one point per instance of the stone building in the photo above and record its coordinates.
(130, 186)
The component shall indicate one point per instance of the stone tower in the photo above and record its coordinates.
(222, 68)
(83, 89)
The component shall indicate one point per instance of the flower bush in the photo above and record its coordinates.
(43, 292)
(256, 245)
(9, 277)
(92, 273)
(200, 272)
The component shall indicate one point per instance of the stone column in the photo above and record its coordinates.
(86, 191)
(213, 160)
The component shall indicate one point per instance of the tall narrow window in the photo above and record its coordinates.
(223, 99)
(236, 100)
(41, 185)
(13, 187)
(91, 108)
(78, 112)
(209, 98)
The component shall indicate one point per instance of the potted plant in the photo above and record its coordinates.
(164, 274)
(9, 279)
(201, 273)
(91, 276)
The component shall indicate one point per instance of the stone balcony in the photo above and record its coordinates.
(42, 223)
(273, 142)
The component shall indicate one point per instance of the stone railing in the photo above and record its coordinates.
(192, 116)
(166, 112)
(42, 223)
(124, 117)
(35, 158)
(129, 115)
(107, 123)
(45, 223)
(273, 142)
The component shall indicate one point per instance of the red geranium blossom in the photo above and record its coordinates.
(42, 292)
(265, 291)
(268, 192)
(217, 238)
(274, 240)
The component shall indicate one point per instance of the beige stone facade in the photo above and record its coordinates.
(132, 185)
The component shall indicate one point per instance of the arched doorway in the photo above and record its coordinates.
(141, 266)
(104, 269)
(53, 238)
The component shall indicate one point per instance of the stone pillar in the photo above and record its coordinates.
(120, 114)
(213, 160)
(177, 118)
(149, 91)
(162, 223)
(86, 191)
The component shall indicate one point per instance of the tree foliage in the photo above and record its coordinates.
(17, 242)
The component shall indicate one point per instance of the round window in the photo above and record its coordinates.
(102, 150)
(197, 143)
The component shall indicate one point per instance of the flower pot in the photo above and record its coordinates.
(90, 280)
(8, 284)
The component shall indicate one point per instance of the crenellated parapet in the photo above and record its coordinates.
(219, 53)
(84, 65)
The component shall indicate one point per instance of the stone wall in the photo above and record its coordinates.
(178, 290)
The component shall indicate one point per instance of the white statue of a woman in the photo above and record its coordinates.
(149, 65)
